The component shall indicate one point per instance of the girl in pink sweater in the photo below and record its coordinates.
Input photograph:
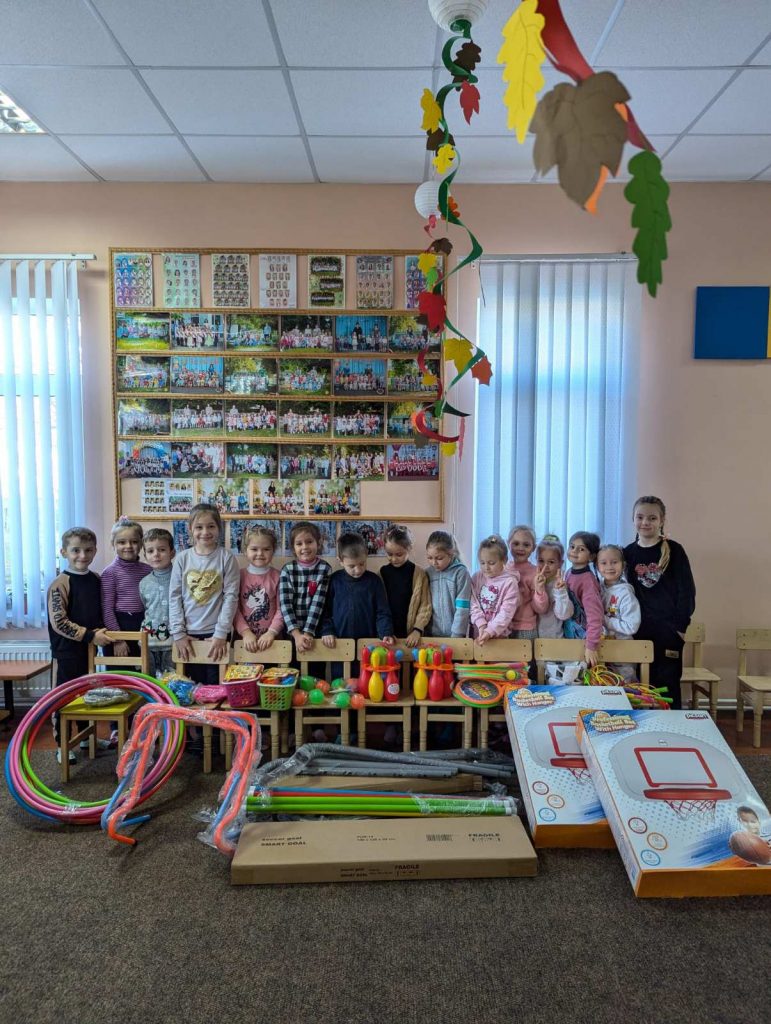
(585, 594)
(531, 604)
(258, 618)
(494, 591)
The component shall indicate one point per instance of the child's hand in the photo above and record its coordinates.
(185, 648)
(266, 640)
(120, 649)
(559, 581)
(414, 638)
(483, 635)
(250, 641)
(102, 638)
(217, 648)
(328, 641)
(389, 641)
(304, 641)
(590, 657)
(539, 582)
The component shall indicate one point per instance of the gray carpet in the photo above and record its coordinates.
(94, 932)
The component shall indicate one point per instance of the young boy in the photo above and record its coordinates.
(75, 617)
(154, 591)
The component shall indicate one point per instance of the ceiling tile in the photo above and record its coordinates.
(764, 56)
(37, 158)
(53, 32)
(277, 159)
(355, 33)
(496, 160)
(491, 119)
(222, 102)
(191, 32)
(718, 158)
(667, 101)
(660, 33)
(369, 160)
(360, 102)
(743, 108)
(136, 158)
(83, 100)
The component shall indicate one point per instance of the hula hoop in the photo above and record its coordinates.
(32, 794)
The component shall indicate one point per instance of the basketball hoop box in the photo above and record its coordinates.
(562, 806)
(679, 805)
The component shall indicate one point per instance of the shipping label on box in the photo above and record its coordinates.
(563, 808)
(686, 819)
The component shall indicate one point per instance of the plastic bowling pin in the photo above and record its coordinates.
(365, 671)
(376, 684)
(436, 682)
(420, 686)
(392, 677)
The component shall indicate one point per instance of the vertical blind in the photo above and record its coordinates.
(555, 432)
(42, 487)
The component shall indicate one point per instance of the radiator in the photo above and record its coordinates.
(33, 650)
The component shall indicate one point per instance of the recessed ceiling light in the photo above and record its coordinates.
(14, 119)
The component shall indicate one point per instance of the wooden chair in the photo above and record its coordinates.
(201, 657)
(635, 652)
(78, 711)
(498, 650)
(279, 653)
(703, 682)
(449, 709)
(392, 711)
(753, 689)
(310, 714)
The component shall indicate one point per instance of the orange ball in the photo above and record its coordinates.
(299, 697)
(357, 701)
(323, 685)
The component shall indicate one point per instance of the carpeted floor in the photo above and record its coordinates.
(94, 933)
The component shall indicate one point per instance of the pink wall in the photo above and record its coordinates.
(702, 426)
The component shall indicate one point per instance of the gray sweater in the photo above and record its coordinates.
(450, 598)
(203, 595)
(154, 591)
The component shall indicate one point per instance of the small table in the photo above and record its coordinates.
(78, 711)
(18, 672)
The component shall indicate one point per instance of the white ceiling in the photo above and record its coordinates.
(328, 90)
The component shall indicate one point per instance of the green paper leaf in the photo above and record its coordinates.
(648, 193)
(431, 278)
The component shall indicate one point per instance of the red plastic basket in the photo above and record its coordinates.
(242, 693)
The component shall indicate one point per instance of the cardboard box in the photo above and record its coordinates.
(562, 806)
(686, 819)
(384, 849)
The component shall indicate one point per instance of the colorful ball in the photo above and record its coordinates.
(342, 699)
(317, 697)
(338, 684)
(307, 682)
(323, 685)
(754, 849)
(299, 698)
(357, 701)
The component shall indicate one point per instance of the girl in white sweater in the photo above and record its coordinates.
(622, 609)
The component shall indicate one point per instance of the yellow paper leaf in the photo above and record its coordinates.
(458, 351)
(429, 380)
(522, 55)
(431, 111)
(444, 158)
(426, 261)
(448, 447)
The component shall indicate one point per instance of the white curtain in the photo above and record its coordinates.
(42, 487)
(555, 430)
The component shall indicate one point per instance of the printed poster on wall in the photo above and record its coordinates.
(326, 281)
(132, 275)
(374, 282)
(415, 280)
(171, 496)
(278, 280)
(230, 278)
(181, 280)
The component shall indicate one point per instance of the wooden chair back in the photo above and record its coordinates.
(140, 661)
(343, 651)
(462, 648)
(636, 652)
(279, 653)
(201, 657)
(695, 636)
(504, 650)
(751, 640)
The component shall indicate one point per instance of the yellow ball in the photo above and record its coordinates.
(511, 674)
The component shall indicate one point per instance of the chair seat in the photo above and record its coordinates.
(92, 712)
(403, 702)
(698, 675)
(760, 684)
(446, 702)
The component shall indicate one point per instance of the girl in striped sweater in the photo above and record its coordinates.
(122, 605)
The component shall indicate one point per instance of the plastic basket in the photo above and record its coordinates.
(276, 688)
(241, 693)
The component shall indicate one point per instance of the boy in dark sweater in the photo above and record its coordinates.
(75, 615)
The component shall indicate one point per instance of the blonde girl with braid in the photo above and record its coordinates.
(659, 570)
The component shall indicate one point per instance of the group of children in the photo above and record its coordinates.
(201, 594)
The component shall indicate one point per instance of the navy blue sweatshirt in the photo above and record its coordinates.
(356, 608)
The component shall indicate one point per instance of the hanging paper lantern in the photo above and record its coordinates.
(446, 12)
(427, 199)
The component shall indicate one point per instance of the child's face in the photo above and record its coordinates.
(579, 554)
(521, 546)
(354, 565)
(259, 552)
(750, 821)
(610, 565)
(549, 562)
(158, 554)
(648, 522)
(127, 544)
(305, 546)
(79, 553)
(438, 558)
(396, 554)
(205, 532)
(490, 562)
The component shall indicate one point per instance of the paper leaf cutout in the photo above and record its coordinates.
(426, 261)
(482, 371)
(431, 278)
(468, 56)
(432, 113)
(453, 207)
(444, 158)
(433, 307)
(469, 100)
(436, 139)
(458, 351)
(442, 245)
(648, 193)
(578, 128)
(522, 55)
(448, 447)
(429, 380)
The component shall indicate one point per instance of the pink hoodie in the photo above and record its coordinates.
(531, 605)
(494, 600)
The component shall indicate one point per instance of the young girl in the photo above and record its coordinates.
(588, 612)
(450, 585)
(407, 588)
(494, 591)
(303, 584)
(531, 605)
(203, 593)
(622, 609)
(122, 606)
(550, 556)
(258, 616)
(660, 573)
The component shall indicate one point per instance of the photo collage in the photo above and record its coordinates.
(372, 530)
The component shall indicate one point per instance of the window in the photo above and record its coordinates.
(555, 430)
(42, 490)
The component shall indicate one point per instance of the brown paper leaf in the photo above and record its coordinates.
(436, 139)
(441, 245)
(468, 56)
(578, 128)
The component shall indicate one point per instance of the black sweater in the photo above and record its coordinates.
(668, 599)
(356, 608)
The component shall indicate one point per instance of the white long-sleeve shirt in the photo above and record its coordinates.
(622, 610)
(551, 625)
(203, 593)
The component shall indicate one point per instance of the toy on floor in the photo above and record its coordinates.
(374, 803)
(436, 685)
(641, 695)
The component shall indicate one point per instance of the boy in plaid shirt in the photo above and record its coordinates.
(302, 586)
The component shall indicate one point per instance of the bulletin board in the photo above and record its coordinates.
(277, 385)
